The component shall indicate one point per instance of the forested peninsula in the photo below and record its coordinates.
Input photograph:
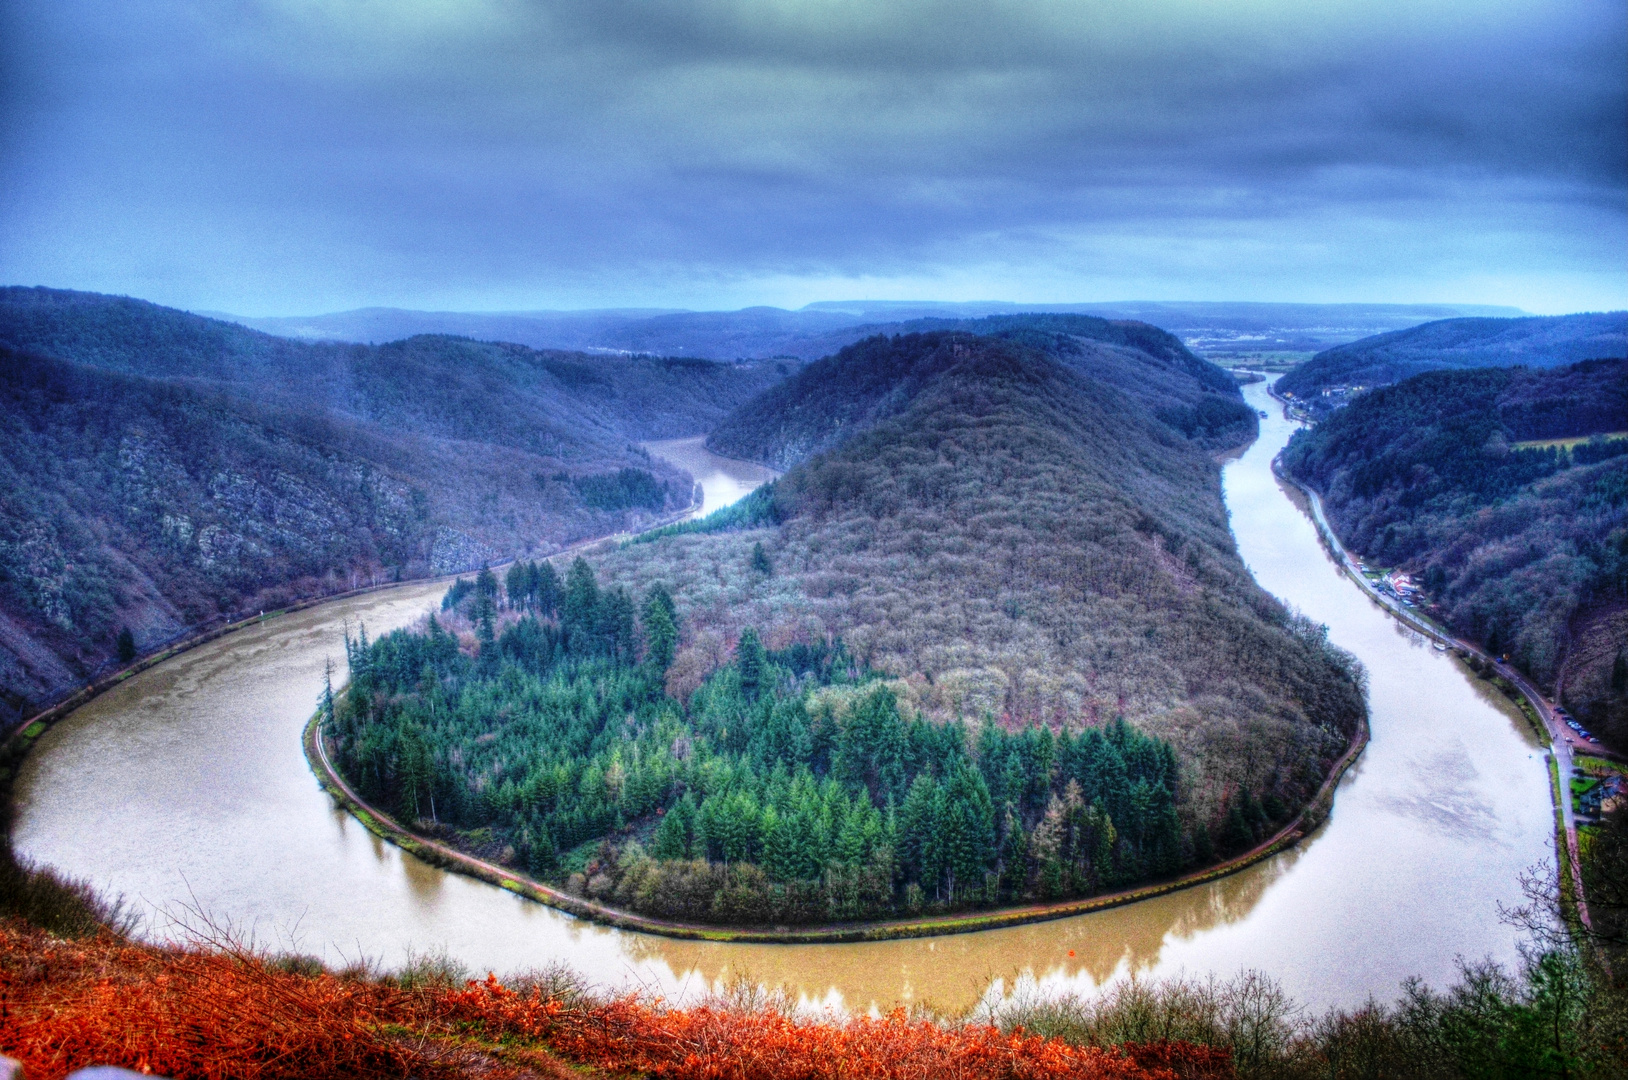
(160, 472)
(992, 644)
(1500, 491)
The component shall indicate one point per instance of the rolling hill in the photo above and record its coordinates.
(1462, 343)
(1004, 535)
(833, 399)
(160, 470)
(1521, 547)
(987, 642)
(1210, 328)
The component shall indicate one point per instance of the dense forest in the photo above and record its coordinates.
(788, 788)
(159, 470)
(834, 399)
(1523, 548)
(1550, 341)
(1023, 541)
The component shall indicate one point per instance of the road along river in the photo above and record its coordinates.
(186, 785)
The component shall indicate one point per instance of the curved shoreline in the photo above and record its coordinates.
(14, 745)
(1559, 749)
(446, 857)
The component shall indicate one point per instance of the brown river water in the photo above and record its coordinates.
(186, 789)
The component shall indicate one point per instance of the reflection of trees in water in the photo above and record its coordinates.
(953, 973)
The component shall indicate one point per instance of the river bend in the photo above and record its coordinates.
(186, 786)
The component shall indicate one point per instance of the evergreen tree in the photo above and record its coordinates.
(870, 746)
(127, 646)
(673, 835)
(517, 586)
(579, 614)
(750, 660)
(614, 626)
(660, 624)
(545, 588)
(916, 827)
(760, 560)
(1235, 834)
(1203, 846)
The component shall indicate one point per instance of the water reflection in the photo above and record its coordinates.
(187, 784)
(723, 480)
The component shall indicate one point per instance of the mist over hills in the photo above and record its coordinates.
(160, 470)
(1539, 342)
(821, 328)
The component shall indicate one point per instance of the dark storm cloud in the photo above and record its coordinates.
(316, 153)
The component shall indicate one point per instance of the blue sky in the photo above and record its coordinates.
(295, 156)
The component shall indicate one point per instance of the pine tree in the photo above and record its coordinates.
(614, 626)
(660, 624)
(1235, 834)
(672, 839)
(760, 560)
(127, 647)
(916, 827)
(545, 588)
(579, 614)
(750, 660)
(517, 586)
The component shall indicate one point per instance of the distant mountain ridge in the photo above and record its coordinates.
(159, 469)
(823, 327)
(1537, 341)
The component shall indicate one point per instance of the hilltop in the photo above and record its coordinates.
(1462, 343)
(1520, 543)
(160, 469)
(835, 398)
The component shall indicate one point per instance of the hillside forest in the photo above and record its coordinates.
(995, 646)
(1448, 344)
(1486, 485)
(789, 788)
(160, 471)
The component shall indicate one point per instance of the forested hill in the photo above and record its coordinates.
(159, 470)
(568, 404)
(1521, 547)
(1462, 343)
(1017, 540)
(834, 398)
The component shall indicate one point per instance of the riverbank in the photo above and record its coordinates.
(446, 857)
(16, 743)
(1537, 708)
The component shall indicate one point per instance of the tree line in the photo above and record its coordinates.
(789, 788)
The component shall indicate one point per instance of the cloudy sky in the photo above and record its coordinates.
(296, 156)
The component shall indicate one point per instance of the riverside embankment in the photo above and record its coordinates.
(452, 859)
(1563, 743)
(187, 784)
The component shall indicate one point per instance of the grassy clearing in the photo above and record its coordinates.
(1566, 444)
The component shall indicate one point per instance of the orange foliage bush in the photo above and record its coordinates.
(214, 1015)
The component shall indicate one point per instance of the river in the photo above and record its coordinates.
(186, 788)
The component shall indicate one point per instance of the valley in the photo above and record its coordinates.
(207, 746)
